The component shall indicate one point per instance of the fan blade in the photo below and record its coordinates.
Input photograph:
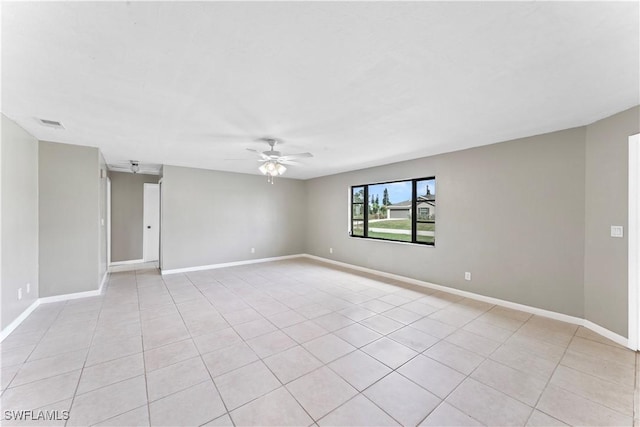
(262, 155)
(288, 162)
(119, 166)
(296, 156)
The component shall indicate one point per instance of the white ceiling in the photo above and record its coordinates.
(358, 84)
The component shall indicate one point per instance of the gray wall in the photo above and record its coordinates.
(127, 191)
(19, 177)
(69, 189)
(211, 217)
(511, 213)
(606, 204)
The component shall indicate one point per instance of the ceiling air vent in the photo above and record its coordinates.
(51, 123)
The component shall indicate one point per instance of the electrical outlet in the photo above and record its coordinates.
(617, 231)
(28, 287)
(330, 250)
(19, 294)
(253, 250)
(467, 275)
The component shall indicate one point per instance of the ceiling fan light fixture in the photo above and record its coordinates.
(272, 168)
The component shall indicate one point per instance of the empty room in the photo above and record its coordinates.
(320, 213)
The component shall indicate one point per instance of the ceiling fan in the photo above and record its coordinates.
(134, 166)
(273, 161)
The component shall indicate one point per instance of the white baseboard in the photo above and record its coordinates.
(18, 320)
(618, 339)
(229, 264)
(75, 295)
(131, 261)
(45, 300)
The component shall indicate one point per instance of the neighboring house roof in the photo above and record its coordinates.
(402, 205)
(429, 198)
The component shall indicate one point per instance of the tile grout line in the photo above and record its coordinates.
(589, 375)
(31, 352)
(467, 376)
(488, 357)
(535, 406)
(284, 385)
(357, 348)
(111, 360)
(595, 377)
(82, 369)
(75, 393)
(34, 348)
(393, 370)
(144, 362)
(263, 362)
(224, 404)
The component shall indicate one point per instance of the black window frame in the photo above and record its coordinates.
(365, 214)
(414, 211)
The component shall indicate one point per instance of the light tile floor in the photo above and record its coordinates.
(302, 343)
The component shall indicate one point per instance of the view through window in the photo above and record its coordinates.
(402, 211)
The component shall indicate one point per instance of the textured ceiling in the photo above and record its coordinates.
(358, 84)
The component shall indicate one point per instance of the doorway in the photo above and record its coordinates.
(634, 242)
(151, 222)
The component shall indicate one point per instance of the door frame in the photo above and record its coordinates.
(144, 240)
(633, 232)
(108, 221)
(160, 226)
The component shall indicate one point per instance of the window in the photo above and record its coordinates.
(357, 211)
(385, 211)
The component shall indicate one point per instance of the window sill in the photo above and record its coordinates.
(368, 239)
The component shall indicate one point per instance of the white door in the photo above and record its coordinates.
(151, 217)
